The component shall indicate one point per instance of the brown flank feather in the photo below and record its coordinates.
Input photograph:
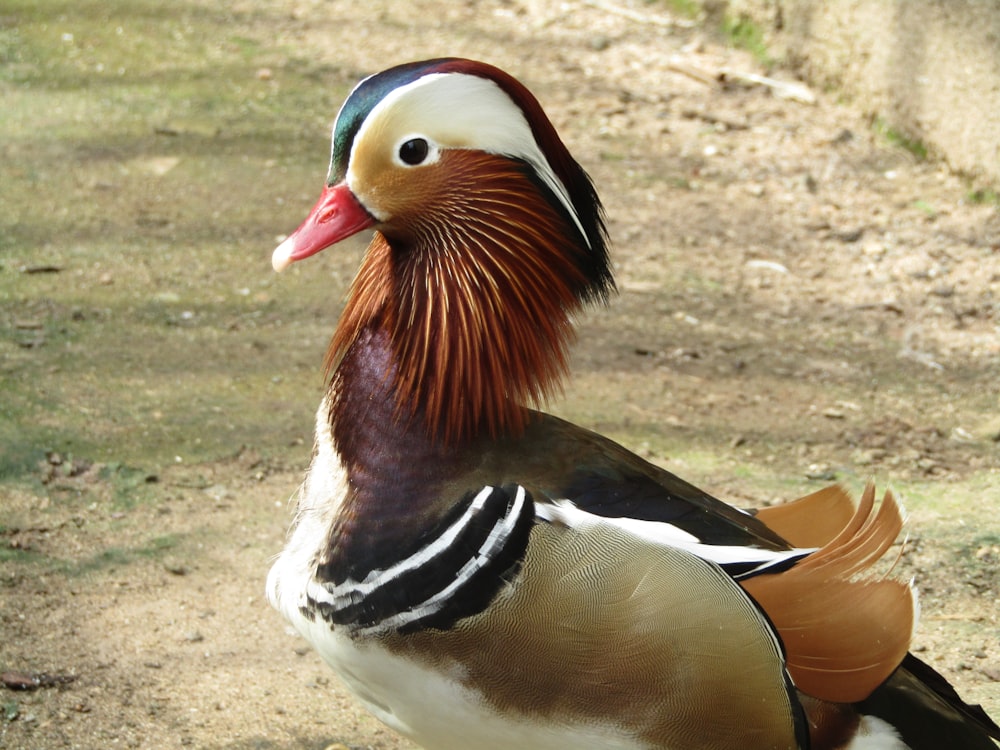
(475, 291)
(844, 633)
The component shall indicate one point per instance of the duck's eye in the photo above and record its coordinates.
(413, 151)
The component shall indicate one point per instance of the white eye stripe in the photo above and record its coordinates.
(463, 111)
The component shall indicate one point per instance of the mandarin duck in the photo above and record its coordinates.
(484, 576)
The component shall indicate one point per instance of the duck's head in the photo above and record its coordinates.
(488, 236)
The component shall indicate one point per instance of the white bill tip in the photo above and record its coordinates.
(282, 256)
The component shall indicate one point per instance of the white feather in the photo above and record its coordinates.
(408, 697)
(876, 734)
(318, 502)
(660, 532)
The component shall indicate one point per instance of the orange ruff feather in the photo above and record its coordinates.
(844, 633)
(476, 294)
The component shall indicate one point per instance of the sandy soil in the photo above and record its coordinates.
(801, 301)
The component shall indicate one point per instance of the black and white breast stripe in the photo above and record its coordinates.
(455, 575)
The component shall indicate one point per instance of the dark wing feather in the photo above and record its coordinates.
(563, 461)
(927, 711)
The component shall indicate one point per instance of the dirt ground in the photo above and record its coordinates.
(802, 300)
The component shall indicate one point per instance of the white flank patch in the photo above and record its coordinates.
(436, 710)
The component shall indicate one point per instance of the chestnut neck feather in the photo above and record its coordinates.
(475, 290)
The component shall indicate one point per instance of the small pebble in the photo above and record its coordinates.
(599, 42)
